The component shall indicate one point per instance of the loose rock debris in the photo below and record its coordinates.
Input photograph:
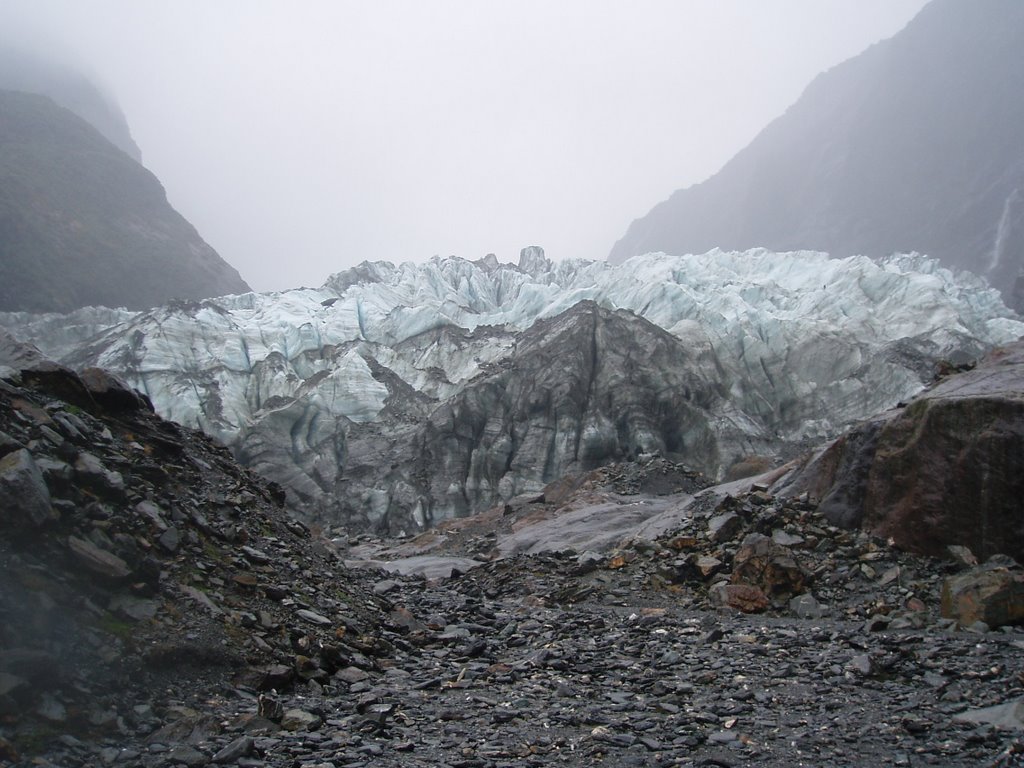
(158, 608)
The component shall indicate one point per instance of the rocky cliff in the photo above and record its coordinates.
(944, 469)
(82, 223)
(397, 396)
(913, 145)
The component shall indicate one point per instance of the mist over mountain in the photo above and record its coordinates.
(912, 146)
(83, 223)
(21, 71)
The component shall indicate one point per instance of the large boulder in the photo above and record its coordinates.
(113, 393)
(763, 563)
(741, 597)
(992, 593)
(947, 469)
(24, 498)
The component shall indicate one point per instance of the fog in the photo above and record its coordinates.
(302, 138)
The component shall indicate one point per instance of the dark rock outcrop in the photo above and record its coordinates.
(82, 223)
(912, 145)
(947, 469)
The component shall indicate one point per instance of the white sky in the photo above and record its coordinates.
(303, 137)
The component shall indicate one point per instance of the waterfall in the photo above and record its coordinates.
(1002, 231)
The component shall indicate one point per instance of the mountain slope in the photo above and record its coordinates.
(23, 71)
(912, 146)
(82, 223)
(128, 548)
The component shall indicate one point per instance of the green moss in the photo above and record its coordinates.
(117, 627)
(916, 409)
(211, 551)
(35, 739)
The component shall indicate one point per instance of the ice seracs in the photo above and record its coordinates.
(791, 347)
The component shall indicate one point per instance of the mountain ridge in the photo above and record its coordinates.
(897, 149)
(82, 223)
(23, 71)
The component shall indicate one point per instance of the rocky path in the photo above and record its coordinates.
(475, 681)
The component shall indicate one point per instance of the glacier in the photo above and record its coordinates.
(782, 349)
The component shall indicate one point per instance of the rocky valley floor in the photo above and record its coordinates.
(629, 679)
(158, 607)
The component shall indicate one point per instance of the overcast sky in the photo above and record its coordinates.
(303, 137)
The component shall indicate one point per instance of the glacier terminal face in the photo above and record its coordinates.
(397, 395)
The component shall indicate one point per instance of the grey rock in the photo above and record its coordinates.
(51, 709)
(153, 512)
(723, 527)
(1008, 715)
(385, 586)
(169, 540)
(299, 720)
(786, 539)
(113, 393)
(137, 609)
(256, 555)
(962, 555)
(202, 598)
(51, 436)
(91, 470)
(8, 444)
(313, 617)
(98, 560)
(10, 683)
(186, 755)
(351, 675)
(71, 426)
(240, 747)
(589, 561)
(806, 607)
(708, 566)
(55, 471)
(24, 497)
(861, 664)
